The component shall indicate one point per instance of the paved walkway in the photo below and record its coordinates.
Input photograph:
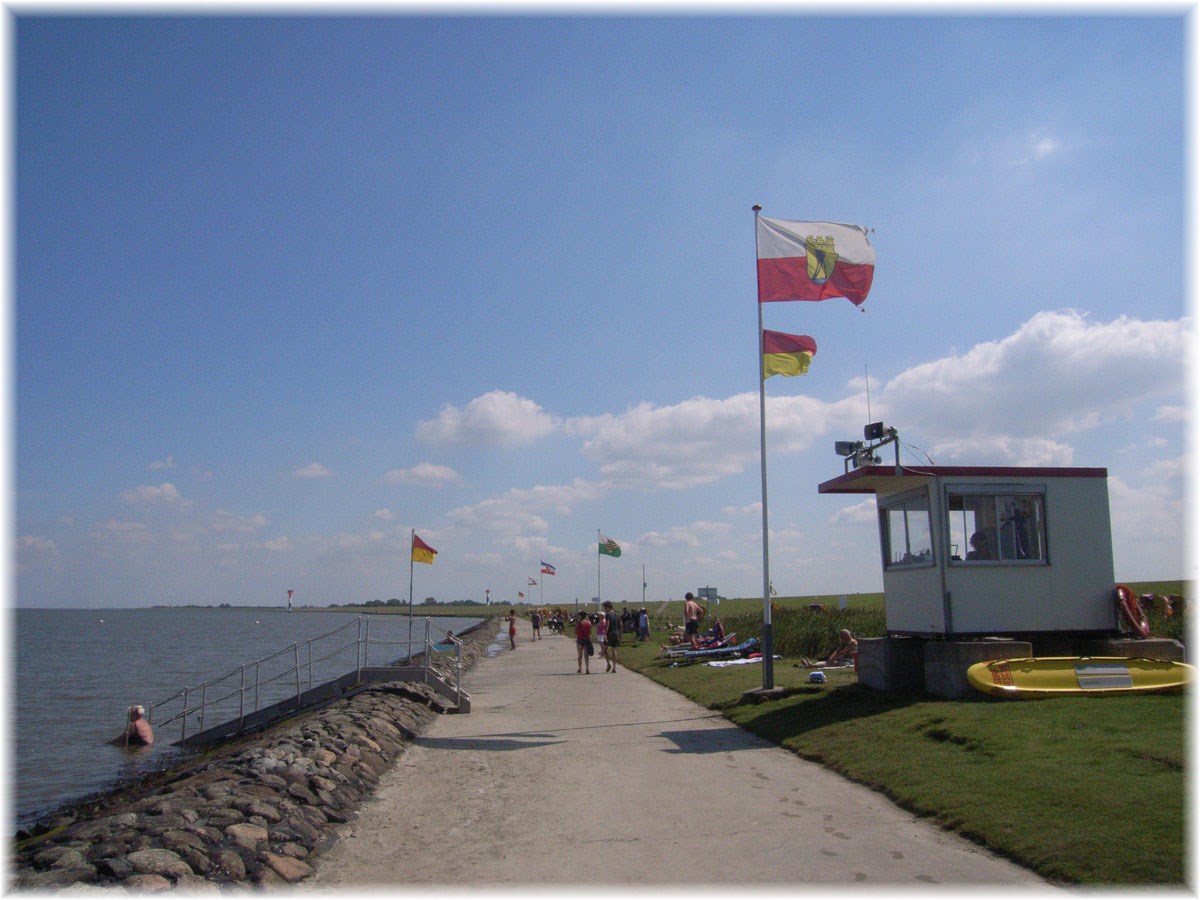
(557, 778)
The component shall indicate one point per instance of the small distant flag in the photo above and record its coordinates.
(520, 596)
(787, 354)
(421, 551)
(547, 569)
(532, 583)
(609, 547)
(813, 261)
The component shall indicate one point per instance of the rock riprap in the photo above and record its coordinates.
(253, 812)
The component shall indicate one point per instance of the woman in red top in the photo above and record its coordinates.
(583, 641)
(512, 628)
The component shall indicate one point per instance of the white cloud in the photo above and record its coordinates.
(34, 543)
(1015, 400)
(312, 470)
(494, 418)
(227, 521)
(161, 464)
(1171, 414)
(165, 494)
(426, 474)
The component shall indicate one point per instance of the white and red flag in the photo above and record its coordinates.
(813, 261)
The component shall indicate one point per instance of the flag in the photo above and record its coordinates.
(547, 569)
(520, 596)
(422, 552)
(532, 583)
(609, 547)
(787, 354)
(813, 261)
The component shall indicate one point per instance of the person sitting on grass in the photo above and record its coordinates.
(842, 655)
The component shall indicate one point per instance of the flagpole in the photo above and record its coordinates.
(597, 568)
(768, 653)
(411, 543)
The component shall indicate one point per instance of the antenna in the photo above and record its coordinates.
(867, 376)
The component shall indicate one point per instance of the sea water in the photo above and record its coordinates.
(75, 672)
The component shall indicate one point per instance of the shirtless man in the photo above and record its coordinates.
(842, 654)
(138, 732)
(692, 613)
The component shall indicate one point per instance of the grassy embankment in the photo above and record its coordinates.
(1086, 790)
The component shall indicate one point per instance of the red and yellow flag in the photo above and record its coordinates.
(787, 354)
(421, 551)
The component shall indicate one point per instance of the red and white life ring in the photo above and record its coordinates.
(1132, 610)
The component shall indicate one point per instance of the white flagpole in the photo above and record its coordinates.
(768, 649)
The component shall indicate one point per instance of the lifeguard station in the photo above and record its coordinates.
(985, 563)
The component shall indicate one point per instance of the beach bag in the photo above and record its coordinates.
(591, 650)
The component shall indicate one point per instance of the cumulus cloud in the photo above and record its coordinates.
(1017, 399)
(679, 446)
(312, 470)
(516, 514)
(160, 465)
(495, 418)
(425, 474)
(165, 494)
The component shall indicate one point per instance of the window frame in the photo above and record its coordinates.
(915, 501)
(997, 493)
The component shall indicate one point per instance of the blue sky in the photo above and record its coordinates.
(289, 287)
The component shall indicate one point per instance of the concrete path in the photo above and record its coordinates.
(580, 781)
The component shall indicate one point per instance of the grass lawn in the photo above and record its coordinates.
(1086, 790)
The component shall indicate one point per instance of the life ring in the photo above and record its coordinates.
(1132, 610)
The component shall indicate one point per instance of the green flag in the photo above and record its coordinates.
(609, 547)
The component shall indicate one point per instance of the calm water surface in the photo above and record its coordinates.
(76, 672)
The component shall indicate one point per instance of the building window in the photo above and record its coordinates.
(997, 526)
(907, 536)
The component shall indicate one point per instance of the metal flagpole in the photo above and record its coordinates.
(411, 543)
(597, 568)
(768, 652)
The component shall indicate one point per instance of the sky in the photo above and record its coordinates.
(290, 287)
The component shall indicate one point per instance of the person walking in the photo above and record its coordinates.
(612, 637)
(512, 628)
(583, 643)
(535, 619)
(602, 633)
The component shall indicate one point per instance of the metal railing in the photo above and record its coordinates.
(289, 673)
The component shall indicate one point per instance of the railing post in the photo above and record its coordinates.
(242, 700)
(203, 701)
(183, 718)
(428, 645)
(296, 663)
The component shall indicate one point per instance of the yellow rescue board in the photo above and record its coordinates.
(1047, 676)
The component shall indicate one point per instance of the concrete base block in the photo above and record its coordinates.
(1147, 648)
(891, 664)
(946, 663)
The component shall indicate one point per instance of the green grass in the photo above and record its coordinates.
(1086, 790)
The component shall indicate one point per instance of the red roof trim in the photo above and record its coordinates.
(848, 483)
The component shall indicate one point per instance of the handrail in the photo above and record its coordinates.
(230, 701)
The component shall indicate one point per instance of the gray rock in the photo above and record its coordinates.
(157, 861)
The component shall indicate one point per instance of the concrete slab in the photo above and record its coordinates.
(946, 663)
(592, 781)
